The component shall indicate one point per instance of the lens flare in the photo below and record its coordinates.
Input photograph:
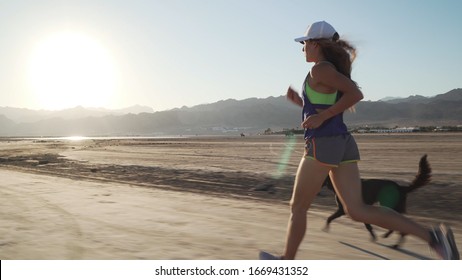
(388, 196)
(285, 157)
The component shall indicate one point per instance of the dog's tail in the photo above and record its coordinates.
(423, 176)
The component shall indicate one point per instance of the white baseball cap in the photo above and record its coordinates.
(318, 30)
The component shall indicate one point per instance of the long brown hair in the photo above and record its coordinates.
(341, 54)
(338, 52)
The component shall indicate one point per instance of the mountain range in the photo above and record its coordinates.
(230, 116)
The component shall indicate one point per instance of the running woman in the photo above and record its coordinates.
(331, 151)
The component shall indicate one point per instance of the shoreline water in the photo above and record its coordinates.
(199, 136)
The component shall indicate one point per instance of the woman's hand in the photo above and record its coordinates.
(313, 121)
(293, 96)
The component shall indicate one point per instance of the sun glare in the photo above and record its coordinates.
(70, 69)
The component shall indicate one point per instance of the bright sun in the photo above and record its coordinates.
(70, 69)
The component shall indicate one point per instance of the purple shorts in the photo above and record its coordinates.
(332, 150)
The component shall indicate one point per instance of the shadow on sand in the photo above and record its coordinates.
(404, 251)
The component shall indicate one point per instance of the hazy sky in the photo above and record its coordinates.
(169, 53)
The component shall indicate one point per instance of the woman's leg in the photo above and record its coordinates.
(308, 182)
(347, 184)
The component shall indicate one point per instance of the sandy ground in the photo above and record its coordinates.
(202, 198)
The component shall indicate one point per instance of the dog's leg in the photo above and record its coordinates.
(387, 234)
(400, 241)
(340, 212)
(371, 231)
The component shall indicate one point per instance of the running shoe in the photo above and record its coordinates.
(267, 256)
(452, 243)
(443, 243)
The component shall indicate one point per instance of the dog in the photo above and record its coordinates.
(377, 191)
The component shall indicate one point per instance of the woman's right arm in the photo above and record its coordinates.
(293, 96)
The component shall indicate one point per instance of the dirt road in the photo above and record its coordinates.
(46, 217)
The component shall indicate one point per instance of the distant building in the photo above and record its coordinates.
(390, 130)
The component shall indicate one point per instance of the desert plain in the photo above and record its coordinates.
(215, 197)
